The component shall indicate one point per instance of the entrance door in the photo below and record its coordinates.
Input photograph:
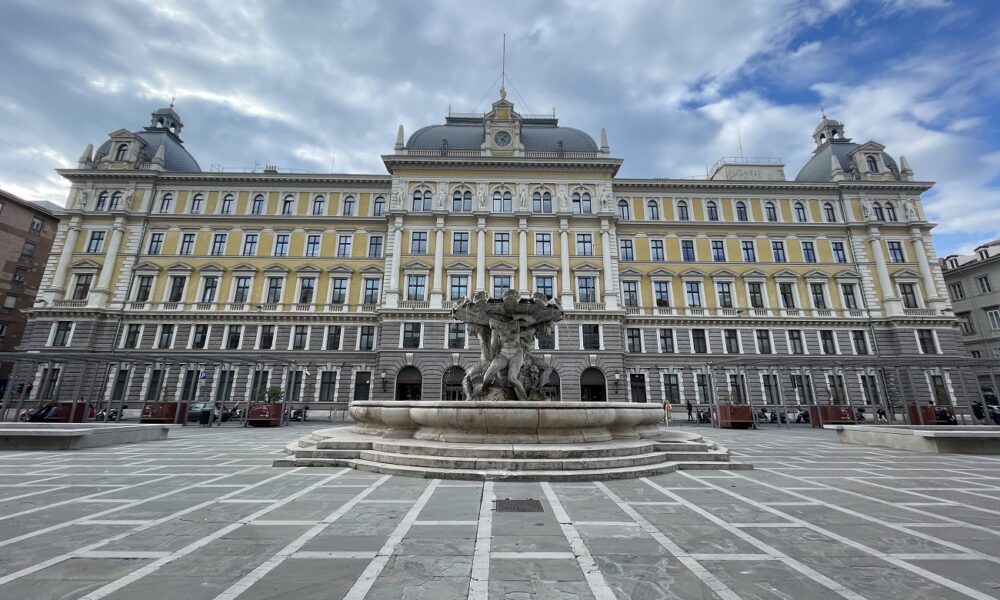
(592, 387)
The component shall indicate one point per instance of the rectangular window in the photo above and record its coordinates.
(411, 335)
(209, 288)
(362, 385)
(543, 244)
(591, 337)
(371, 291)
(818, 295)
(896, 252)
(275, 285)
(547, 341)
(418, 242)
(770, 385)
(501, 243)
(234, 333)
(666, 338)
(300, 337)
(809, 252)
(795, 345)
(82, 288)
(312, 245)
(778, 249)
(458, 287)
(625, 250)
(545, 284)
(501, 283)
(241, 291)
(699, 341)
(307, 290)
(755, 290)
(860, 339)
(802, 385)
(764, 342)
(687, 250)
(633, 339)
(366, 337)
(338, 290)
(731, 337)
(166, 336)
(9, 302)
(994, 317)
(218, 244)
(153, 387)
(28, 251)
(909, 293)
(189, 389)
(925, 337)
(416, 287)
(187, 244)
(724, 290)
(333, 335)
(661, 293)
(787, 295)
(460, 242)
(177, 284)
(456, 335)
(132, 336)
(850, 298)
(36, 226)
(155, 243)
(693, 292)
(281, 244)
(984, 284)
(584, 244)
(656, 250)
(344, 245)
(266, 337)
(630, 293)
(672, 388)
(143, 288)
(719, 250)
(328, 386)
(704, 388)
(839, 255)
(737, 390)
(869, 387)
(941, 395)
(62, 334)
(199, 339)
(250, 244)
(749, 252)
(587, 290)
(827, 342)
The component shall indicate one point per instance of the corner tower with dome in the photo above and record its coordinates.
(169, 284)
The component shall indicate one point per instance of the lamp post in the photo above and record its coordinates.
(382, 375)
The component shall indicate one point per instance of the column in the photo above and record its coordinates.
(610, 289)
(57, 288)
(567, 284)
(891, 304)
(930, 287)
(437, 294)
(392, 294)
(522, 257)
(99, 294)
(481, 255)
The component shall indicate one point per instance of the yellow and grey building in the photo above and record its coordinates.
(744, 286)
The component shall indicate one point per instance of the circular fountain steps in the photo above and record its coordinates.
(613, 459)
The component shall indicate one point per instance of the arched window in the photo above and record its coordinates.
(581, 203)
(503, 202)
(770, 212)
(451, 385)
(741, 212)
(159, 123)
(872, 164)
(890, 211)
(541, 202)
(116, 201)
(422, 200)
(227, 204)
(682, 211)
(551, 389)
(319, 205)
(165, 201)
(713, 211)
(877, 209)
(592, 388)
(800, 212)
(258, 205)
(461, 201)
(624, 212)
(408, 384)
(652, 211)
(350, 206)
(288, 205)
(122, 152)
(102, 201)
(829, 214)
(378, 207)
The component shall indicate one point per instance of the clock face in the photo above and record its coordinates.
(502, 138)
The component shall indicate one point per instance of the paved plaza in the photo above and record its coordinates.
(204, 515)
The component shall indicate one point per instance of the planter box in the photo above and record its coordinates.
(927, 415)
(71, 412)
(831, 414)
(163, 412)
(265, 415)
(735, 416)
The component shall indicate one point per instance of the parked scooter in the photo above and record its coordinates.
(802, 416)
(704, 416)
(107, 414)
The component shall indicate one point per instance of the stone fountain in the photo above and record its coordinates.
(506, 429)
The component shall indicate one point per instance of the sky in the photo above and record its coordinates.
(323, 86)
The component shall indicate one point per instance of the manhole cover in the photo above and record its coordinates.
(526, 505)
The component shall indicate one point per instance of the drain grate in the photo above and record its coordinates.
(525, 505)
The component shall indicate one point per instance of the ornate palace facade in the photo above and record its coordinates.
(743, 286)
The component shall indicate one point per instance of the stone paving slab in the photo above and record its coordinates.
(203, 515)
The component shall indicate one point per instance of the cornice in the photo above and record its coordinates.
(678, 185)
(229, 178)
(494, 162)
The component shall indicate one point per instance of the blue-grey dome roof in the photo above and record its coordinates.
(819, 168)
(470, 136)
(175, 158)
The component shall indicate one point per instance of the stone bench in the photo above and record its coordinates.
(75, 436)
(934, 439)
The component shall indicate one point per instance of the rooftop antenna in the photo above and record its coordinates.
(739, 136)
(503, 68)
(822, 111)
(172, 98)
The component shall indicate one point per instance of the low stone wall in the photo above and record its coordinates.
(75, 436)
(928, 438)
(507, 422)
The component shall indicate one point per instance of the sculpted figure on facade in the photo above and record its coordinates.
(563, 202)
(606, 200)
(522, 196)
(910, 211)
(127, 200)
(482, 198)
(866, 209)
(82, 197)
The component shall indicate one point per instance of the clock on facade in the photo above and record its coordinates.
(502, 138)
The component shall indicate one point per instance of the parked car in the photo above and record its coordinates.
(195, 409)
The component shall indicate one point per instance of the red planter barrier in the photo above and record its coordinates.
(735, 416)
(265, 415)
(163, 412)
(928, 415)
(72, 412)
(831, 414)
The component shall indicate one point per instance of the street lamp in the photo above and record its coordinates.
(382, 375)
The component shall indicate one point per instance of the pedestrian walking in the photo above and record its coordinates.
(690, 411)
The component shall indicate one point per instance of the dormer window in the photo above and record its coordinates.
(983, 254)
(872, 164)
(122, 152)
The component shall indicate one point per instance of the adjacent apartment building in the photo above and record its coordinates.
(169, 282)
(26, 233)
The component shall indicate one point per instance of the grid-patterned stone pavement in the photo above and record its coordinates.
(203, 515)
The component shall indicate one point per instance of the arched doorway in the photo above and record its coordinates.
(408, 383)
(592, 386)
(451, 384)
(551, 389)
